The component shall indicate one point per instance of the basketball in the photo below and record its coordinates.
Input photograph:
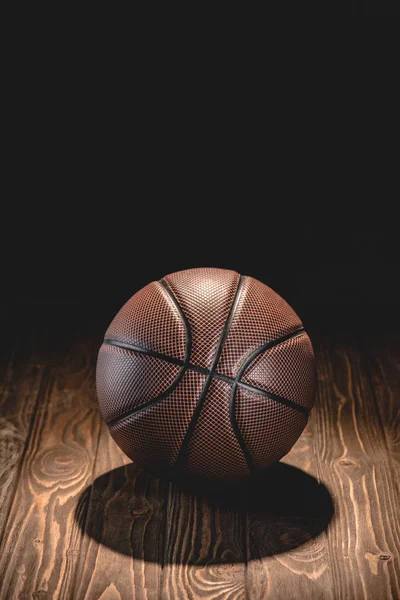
(206, 374)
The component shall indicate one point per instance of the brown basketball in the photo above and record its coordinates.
(207, 374)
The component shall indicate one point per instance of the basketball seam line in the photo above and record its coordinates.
(196, 413)
(232, 401)
(181, 373)
(203, 371)
(141, 350)
(232, 417)
(180, 362)
(182, 315)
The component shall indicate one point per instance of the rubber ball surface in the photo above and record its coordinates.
(206, 374)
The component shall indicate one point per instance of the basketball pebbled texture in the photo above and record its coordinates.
(206, 374)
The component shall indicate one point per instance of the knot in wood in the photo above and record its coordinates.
(58, 463)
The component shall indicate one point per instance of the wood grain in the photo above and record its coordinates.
(383, 360)
(121, 554)
(287, 544)
(204, 553)
(80, 521)
(256, 542)
(20, 377)
(353, 461)
(42, 539)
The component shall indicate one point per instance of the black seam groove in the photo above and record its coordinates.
(140, 350)
(275, 397)
(191, 367)
(181, 373)
(188, 331)
(237, 382)
(231, 407)
(167, 392)
(187, 366)
(265, 347)
(236, 430)
(182, 451)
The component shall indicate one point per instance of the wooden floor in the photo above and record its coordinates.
(78, 520)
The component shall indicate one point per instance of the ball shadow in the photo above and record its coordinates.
(132, 512)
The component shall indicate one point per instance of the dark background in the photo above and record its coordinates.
(103, 194)
(380, 8)
(336, 277)
(305, 202)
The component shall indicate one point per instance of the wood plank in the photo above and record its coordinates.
(147, 539)
(353, 462)
(204, 551)
(383, 359)
(286, 540)
(20, 378)
(121, 556)
(42, 539)
(211, 537)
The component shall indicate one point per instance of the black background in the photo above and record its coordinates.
(104, 196)
(335, 276)
(382, 8)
